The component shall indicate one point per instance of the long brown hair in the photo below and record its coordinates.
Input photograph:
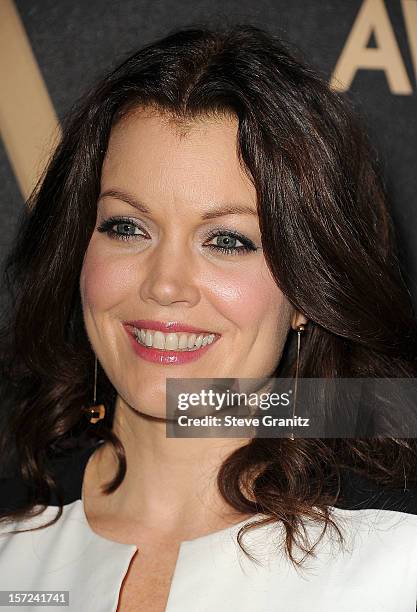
(327, 237)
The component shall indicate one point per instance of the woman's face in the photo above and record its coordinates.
(168, 248)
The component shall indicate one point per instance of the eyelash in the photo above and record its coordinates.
(247, 245)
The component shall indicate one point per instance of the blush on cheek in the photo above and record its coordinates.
(248, 298)
(105, 282)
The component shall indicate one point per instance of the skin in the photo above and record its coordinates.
(179, 172)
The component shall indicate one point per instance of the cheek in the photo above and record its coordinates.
(105, 281)
(249, 297)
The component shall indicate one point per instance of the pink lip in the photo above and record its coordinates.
(172, 326)
(158, 355)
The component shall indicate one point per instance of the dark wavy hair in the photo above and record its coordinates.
(327, 237)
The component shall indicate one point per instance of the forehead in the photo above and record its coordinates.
(155, 128)
(153, 152)
(181, 126)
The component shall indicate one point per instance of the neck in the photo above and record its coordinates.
(169, 482)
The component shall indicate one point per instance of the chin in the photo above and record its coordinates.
(152, 405)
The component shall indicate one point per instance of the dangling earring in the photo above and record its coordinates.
(300, 329)
(97, 411)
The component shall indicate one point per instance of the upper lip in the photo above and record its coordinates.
(171, 326)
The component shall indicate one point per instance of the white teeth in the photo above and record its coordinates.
(191, 340)
(158, 340)
(172, 341)
(182, 342)
(199, 341)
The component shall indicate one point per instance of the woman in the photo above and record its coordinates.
(210, 199)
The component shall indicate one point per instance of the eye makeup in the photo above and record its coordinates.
(128, 229)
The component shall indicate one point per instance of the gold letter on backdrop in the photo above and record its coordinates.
(372, 19)
(27, 118)
(410, 18)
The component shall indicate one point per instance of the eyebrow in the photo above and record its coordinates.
(228, 209)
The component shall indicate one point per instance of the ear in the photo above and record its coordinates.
(298, 319)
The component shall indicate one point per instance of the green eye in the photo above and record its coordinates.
(226, 243)
(121, 229)
(127, 229)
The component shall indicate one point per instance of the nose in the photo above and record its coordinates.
(170, 276)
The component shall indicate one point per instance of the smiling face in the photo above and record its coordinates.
(159, 253)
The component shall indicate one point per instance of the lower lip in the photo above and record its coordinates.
(166, 357)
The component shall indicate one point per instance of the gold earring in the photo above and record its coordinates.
(300, 329)
(97, 411)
